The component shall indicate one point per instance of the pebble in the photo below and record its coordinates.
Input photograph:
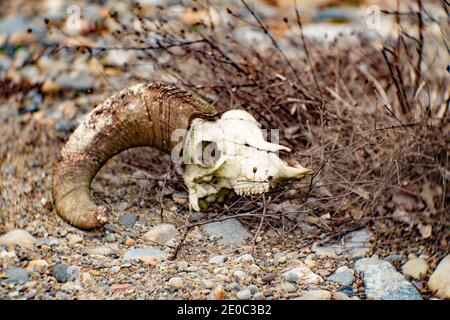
(343, 275)
(230, 232)
(269, 277)
(115, 269)
(60, 272)
(134, 254)
(288, 287)
(219, 293)
(73, 239)
(440, 279)
(39, 263)
(218, 259)
(19, 237)
(356, 244)
(17, 275)
(315, 295)
(383, 282)
(259, 296)
(415, 268)
(303, 273)
(128, 220)
(239, 276)
(176, 282)
(253, 289)
(209, 284)
(161, 233)
(246, 258)
(244, 294)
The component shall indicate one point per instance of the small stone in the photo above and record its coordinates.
(253, 289)
(253, 269)
(244, 294)
(315, 295)
(219, 293)
(86, 278)
(310, 263)
(19, 237)
(288, 287)
(239, 276)
(218, 259)
(17, 275)
(60, 272)
(128, 220)
(73, 239)
(230, 232)
(120, 287)
(129, 242)
(138, 253)
(383, 282)
(439, 282)
(161, 233)
(115, 269)
(148, 260)
(344, 276)
(323, 272)
(415, 268)
(267, 278)
(176, 282)
(303, 273)
(209, 284)
(246, 258)
(259, 296)
(37, 263)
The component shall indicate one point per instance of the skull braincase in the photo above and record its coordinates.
(232, 153)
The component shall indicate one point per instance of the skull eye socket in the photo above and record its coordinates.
(210, 153)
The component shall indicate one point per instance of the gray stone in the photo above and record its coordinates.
(230, 232)
(302, 274)
(383, 282)
(355, 244)
(244, 294)
(343, 276)
(128, 220)
(238, 275)
(60, 272)
(17, 275)
(79, 81)
(253, 289)
(288, 287)
(138, 253)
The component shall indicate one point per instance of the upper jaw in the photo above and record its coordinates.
(248, 188)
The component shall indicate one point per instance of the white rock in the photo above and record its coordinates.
(244, 294)
(239, 275)
(176, 282)
(162, 233)
(315, 295)
(415, 268)
(100, 251)
(440, 279)
(302, 274)
(18, 237)
(218, 259)
(288, 287)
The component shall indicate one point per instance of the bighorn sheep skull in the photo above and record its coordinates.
(148, 115)
(231, 153)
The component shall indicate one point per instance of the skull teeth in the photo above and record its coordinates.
(252, 190)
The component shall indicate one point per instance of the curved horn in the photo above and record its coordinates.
(143, 115)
